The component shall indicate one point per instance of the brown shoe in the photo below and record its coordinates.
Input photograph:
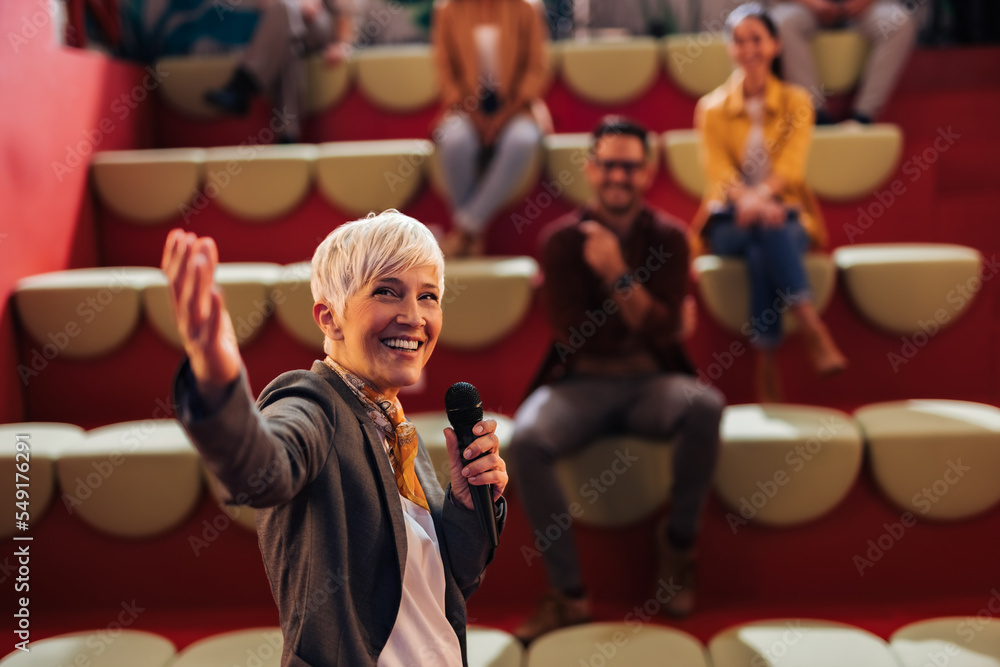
(458, 244)
(555, 610)
(675, 576)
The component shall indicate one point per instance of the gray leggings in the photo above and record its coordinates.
(564, 417)
(476, 199)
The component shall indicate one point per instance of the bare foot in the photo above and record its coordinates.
(827, 359)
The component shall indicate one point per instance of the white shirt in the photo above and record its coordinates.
(756, 160)
(422, 634)
(487, 37)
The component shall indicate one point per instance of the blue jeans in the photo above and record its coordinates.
(774, 267)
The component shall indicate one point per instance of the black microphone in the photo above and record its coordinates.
(465, 410)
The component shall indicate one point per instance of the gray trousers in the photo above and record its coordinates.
(274, 55)
(476, 199)
(886, 24)
(562, 418)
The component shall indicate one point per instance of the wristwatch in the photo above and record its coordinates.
(623, 282)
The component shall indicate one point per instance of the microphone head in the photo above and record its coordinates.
(463, 404)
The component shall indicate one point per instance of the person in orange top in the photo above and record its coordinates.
(493, 67)
(755, 132)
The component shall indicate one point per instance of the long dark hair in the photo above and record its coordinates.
(755, 10)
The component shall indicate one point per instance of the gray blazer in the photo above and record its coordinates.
(330, 523)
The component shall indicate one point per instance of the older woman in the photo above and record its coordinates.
(493, 67)
(755, 134)
(370, 561)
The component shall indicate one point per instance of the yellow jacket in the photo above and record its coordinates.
(723, 125)
(523, 61)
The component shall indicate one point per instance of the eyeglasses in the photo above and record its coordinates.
(628, 166)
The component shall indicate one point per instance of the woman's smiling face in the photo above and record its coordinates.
(388, 329)
(752, 47)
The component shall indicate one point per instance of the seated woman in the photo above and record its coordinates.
(370, 561)
(755, 133)
(492, 67)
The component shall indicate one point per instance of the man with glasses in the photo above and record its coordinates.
(616, 275)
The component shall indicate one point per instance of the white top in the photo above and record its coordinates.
(756, 160)
(487, 37)
(422, 634)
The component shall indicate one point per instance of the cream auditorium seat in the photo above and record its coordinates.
(783, 465)
(148, 187)
(961, 641)
(681, 153)
(938, 459)
(840, 57)
(799, 643)
(617, 480)
(292, 297)
(529, 177)
(489, 647)
(246, 289)
(724, 289)
(27, 462)
(697, 62)
(259, 183)
(430, 427)
(566, 157)
(401, 79)
(326, 86)
(242, 515)
(845, 163)
(105, 647)
(631, 643)
(608, 71)
(186, 79)
(485, 298)
(362, 176)
(848, 163)
(904, 288)
(133, 480)
(81, 313)
(260, 647)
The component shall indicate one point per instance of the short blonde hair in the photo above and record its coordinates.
(359, 252)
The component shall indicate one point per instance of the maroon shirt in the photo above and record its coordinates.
(585, 319)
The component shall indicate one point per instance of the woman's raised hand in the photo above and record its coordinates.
(204, 324)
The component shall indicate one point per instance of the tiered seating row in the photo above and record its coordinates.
(403, 78)
(262, 183)
(88, 313)
(779, 466)
(789, 642)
